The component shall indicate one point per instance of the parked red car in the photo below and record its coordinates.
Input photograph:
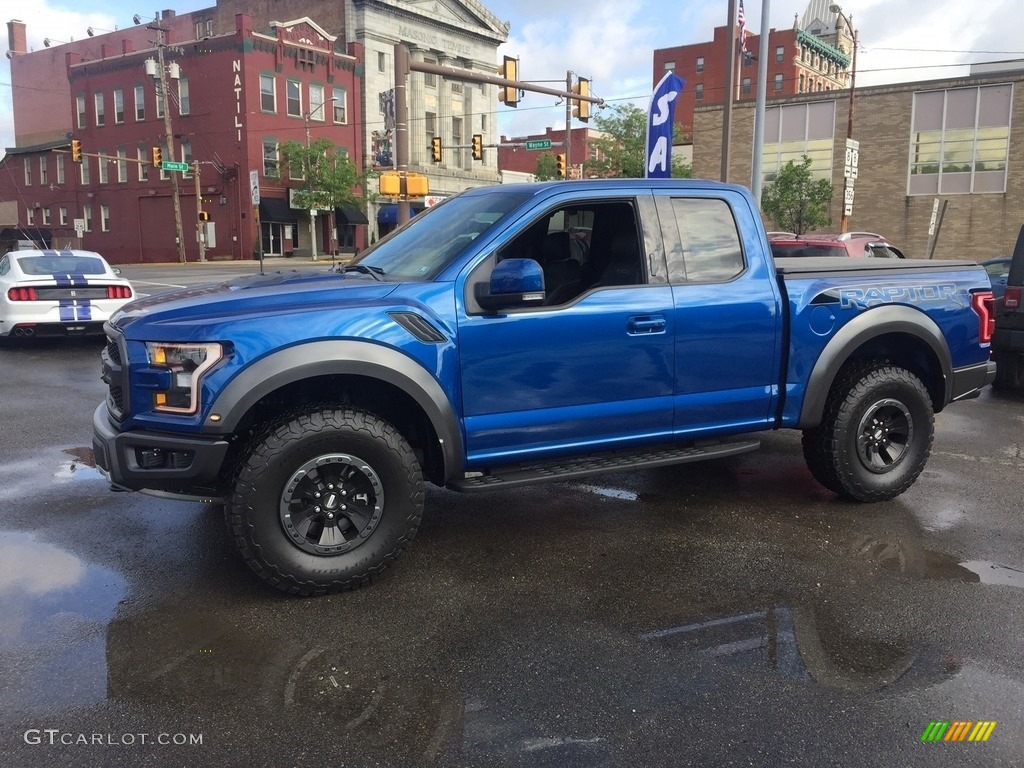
(856, 244)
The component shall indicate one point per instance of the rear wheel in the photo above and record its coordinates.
(875, 435)
(324, 501)
(1009, 371)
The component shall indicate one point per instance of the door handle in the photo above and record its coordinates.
(645, 324)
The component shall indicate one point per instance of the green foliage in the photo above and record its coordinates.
(795, 201)
(623, 147)
(323, 177)
(547, 167)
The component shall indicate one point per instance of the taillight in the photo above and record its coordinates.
(23, 294)
(119, 292)
(1011, 298)
(984, 305)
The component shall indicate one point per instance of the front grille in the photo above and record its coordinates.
(115, 374)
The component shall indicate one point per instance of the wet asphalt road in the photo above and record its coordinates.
(727, 613)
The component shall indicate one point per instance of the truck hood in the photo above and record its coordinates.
(272, 293)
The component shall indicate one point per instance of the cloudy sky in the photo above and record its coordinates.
(611, 41)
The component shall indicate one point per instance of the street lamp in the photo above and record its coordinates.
(312, 210)
(844, 222)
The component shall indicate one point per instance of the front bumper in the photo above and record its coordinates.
(969, 380)
(157, 462)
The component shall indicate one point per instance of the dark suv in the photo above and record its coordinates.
(1008, 339)
(846, 244)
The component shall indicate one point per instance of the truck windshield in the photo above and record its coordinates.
(425, 245)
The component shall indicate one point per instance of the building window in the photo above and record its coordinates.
(778, 81)
(780, 54)
(60, 169)
(118, 106)
(801, 82)
(101, 115)
(340, 105)
(104, 171)
(62, 215)
(122, 166)
(317, 110)
(80, 109)
(140, 104)
(746, 85)
(143, 164)
(271, 162)
(28, 172)
(293, 97)
(268, 93)
(30, 216)
(204, 28)
(457, 140)
(87, 215)
(184, 107)
(159, 101)
(430, 126)
(46, 217)
(700, 63)
(795, 130)
(104, 218)
(429, 79)
(84, 170)
(186, 156)
(44, 171)
(698, 93)
(669, 66)
(960, 140)
(382, 61)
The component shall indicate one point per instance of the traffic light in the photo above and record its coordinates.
(581, 109)
(390, 184)
(158, 156)
(76, 151)
(509, 94)
(560, 165)
(435, 149)
(478, 146)
(416, 185)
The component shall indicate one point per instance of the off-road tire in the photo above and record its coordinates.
(875, 434)
(282, 458)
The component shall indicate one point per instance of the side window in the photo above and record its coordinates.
(583, 247)
(710, 240)
(5, 265)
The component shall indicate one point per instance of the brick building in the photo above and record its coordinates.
(813, 56)
(519, 159)
(951, 139)
(233, 97)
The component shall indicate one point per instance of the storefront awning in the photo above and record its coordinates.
(277, 209)
(388, 213)
(350, 214)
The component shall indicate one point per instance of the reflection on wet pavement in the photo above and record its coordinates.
(20, 479)
(54, 610)
(917, 561)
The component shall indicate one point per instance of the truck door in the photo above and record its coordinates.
(593, 365)
(726, 313)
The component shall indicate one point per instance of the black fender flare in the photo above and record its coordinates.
(877, 321)
(334, 357)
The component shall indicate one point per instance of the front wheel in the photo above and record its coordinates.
(875, 435)
(326, 500)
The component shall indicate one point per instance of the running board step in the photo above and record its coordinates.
(570, 468)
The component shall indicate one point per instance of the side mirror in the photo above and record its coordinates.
(513, 283)
(116, 270)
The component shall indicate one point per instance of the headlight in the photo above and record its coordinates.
(186, 364)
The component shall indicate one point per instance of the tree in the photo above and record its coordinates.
(327, 178)
(795, 201)
(547, 167)
(622, 149)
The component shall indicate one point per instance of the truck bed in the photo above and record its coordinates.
(840, 265)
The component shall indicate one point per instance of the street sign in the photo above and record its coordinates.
(79, 227)
(254, 186)
(171, 165)
(539, 144)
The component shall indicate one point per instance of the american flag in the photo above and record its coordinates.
(742, 21)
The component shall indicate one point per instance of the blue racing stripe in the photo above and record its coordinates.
(84, 310)
(67, 310)
(79, 281)
(63, 281)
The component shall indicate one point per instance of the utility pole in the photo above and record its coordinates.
(162, 74)
(763, 46)
(200, 226)
(730, 80)
(568, 126)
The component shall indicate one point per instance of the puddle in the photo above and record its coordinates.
(21, 478)
(54, 611)
(926, 563)
(611, 493)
